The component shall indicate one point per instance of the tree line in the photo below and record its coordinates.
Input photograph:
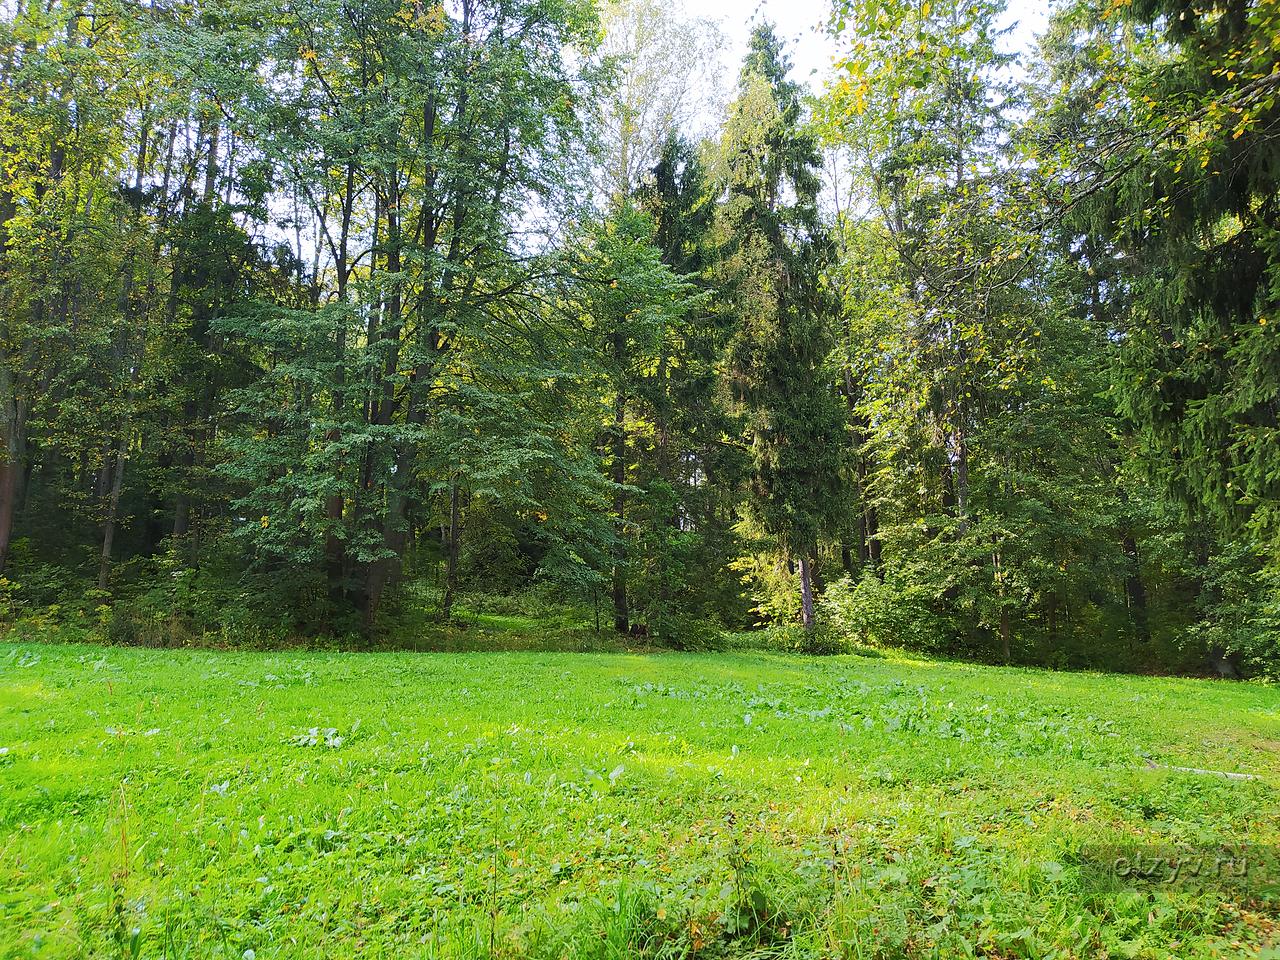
(310, 311)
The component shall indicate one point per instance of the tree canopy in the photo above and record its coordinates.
(308, 313)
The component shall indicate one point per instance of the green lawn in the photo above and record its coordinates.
(207, 804)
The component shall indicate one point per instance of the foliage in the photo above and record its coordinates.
(308, 313)
(1169, 176)
(773, 254)
(883, 613)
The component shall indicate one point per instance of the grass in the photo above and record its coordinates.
(612, 805)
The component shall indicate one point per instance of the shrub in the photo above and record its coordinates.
(692, 635)
(878, 613)
(1240, 630)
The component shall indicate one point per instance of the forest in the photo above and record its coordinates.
(321, 319)
(574, 480)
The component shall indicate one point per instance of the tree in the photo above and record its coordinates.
(991, 458)
(774, 251)
(411, 139)
(700, 472)
(631, 303)
(1169, 173)
(64, 89)
(664, 76)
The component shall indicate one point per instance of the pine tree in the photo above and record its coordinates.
(1166, 158)
(775, 249)
(695, 475)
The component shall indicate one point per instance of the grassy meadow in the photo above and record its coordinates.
(183, 804)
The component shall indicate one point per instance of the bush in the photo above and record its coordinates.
(33, 586)
(491, 558)
(692, 636)
(774, 588)
(1240, 631)
(173, 603)
(877, 613)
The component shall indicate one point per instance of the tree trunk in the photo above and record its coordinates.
(335, 553)
(178, 275)
(379, 411)
(11, 467)
(8, 494)
(873, 541)
(808, 614)
(846, 552)
(948, 484)
(381, 571)
(122, 354)
(1135, 591)
(211, 165)
(113, 509)
(451, 557)
(182, 510)
(997, 566)
(962, 479)
(868, 550)
(1051, 622)
(154, 509)
(621, 611)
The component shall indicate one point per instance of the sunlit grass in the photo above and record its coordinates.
(206, 804)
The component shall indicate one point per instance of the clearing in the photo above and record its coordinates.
(160, 803)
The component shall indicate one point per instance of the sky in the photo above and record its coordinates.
(810, 49)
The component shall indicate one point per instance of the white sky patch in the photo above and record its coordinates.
(800, 23)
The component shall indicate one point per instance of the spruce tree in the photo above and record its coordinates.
(775, 250)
